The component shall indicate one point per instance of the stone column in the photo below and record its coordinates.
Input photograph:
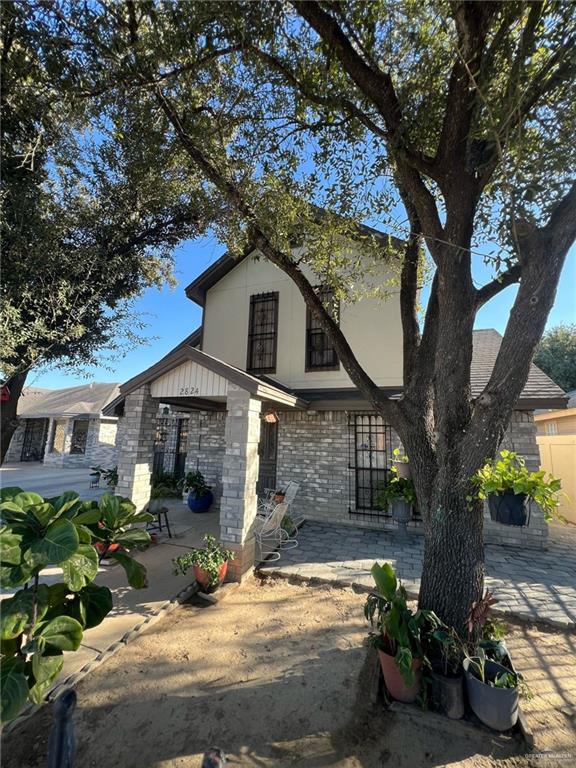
(135, 451)
(239, 476)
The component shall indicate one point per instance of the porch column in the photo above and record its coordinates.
(239, 476)
(135, 452)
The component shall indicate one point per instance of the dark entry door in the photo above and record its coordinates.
(35, 435)
(181, 448)
(268, 452)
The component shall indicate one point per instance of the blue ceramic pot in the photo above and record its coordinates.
(200, 503)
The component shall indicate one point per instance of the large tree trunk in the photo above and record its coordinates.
(8, 412)
(453, 569)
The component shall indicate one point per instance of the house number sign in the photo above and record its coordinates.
(189, 391)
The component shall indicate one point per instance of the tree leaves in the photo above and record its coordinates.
(135, 571)
(13, 688)
(62, 633)
(45, 670)
(10, 544)
(58, 543)
(80, 569)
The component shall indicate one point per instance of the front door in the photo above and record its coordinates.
(35, 435)
(267, 451)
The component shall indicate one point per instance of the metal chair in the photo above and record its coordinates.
(270, 535)
(291, 491)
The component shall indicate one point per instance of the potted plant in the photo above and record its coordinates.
(493, 691)
(210, 564)
(507, 484)
(288, 525)
(200, 496)
(399, 495)
(447, 682)
(158, 495)
(401, 463)
(399, 633)
(110, 475)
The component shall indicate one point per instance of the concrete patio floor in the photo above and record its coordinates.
(530, 584)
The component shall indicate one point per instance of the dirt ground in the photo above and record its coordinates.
(277, 675)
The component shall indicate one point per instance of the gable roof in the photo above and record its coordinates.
(85, 400)
(539, 388)
(197, 289)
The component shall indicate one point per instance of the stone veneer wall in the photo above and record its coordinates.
(206, 447)
(314, 450)
(100, 445)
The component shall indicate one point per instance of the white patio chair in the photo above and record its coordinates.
(291, 491)
(269, 534)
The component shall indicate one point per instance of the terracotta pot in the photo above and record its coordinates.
(203, 578)
(100, 547)
(395, 684)
(279, 498)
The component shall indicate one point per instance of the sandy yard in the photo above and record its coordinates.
(277, 675)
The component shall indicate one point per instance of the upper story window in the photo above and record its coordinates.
(320, 353)
(263, 333)
(79, 436)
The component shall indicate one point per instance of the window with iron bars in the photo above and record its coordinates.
(371, 461)
(263, 333)
(79, 436)
(320, 352)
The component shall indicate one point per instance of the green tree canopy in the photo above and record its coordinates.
(556, 355)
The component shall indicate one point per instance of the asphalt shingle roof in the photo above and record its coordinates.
(85, 400)
(486, 343)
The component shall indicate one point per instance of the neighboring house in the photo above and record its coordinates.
(65, 427)
(269, 402)
(557, 443)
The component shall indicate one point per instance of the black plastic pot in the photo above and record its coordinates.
(495, 707)
(448, 695)
(508, 508)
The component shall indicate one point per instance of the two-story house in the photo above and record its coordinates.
(269, 402)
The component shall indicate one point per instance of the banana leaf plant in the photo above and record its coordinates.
(40, 621)
(400, 632)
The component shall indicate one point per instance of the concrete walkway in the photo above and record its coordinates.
(530, 584)
(49, 481)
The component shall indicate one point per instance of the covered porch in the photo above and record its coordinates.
(191, 380)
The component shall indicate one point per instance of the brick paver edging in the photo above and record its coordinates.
(296, 578)
(72, 680)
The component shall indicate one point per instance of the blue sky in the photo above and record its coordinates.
(171, 316)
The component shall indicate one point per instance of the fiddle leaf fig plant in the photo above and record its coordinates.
(509, 473)
(40, 621)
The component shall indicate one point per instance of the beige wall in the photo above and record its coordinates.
(558, 456)
(372, 328)
(564, 421)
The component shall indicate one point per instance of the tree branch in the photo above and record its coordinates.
(497, 285)
(378, 87)
(544, 252)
